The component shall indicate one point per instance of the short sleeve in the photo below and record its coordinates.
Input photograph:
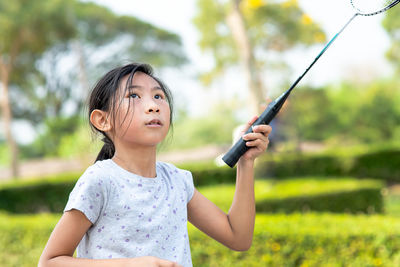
(88, 195)
(188, 180)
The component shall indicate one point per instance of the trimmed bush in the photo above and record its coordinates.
(51, 194)
(307, 194)
(294, 165)
(37, 195)
(279, 240)
(382, 164)
(208, 173)
(378, 164)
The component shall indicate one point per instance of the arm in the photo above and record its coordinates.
(235, 229)
(65, 238)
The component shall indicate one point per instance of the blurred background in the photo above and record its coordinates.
(327, 188)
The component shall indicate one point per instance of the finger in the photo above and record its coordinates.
(166, 263)
(259, 144)
(262, 128)
(255, 136)
(259, 131)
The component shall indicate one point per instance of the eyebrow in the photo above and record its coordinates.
(155, 88)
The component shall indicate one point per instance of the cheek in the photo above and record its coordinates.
(126, 116)
(168, 113)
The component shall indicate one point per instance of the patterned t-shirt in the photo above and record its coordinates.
(134, 216)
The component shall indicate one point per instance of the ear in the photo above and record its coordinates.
(100, 120)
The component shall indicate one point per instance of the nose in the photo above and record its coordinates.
(152, 106)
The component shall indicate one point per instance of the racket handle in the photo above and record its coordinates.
(236, 151)
(239, 148)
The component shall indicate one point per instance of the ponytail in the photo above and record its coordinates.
(107, 151)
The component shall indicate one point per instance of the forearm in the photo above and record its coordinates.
(139, 262)
(241, 215)
(71, 261)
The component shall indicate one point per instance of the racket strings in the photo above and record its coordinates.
(372, 7)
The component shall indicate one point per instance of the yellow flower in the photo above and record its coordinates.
(289, 3)
(319, 37)
(254, 4)
(377, 262)
(275, 247)
(306, 19)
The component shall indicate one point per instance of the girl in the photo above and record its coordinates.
(130, 210)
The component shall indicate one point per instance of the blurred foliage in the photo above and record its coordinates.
(82, 143)
(80, 33)
(348, 113)
(49, 140)
(48, 58)
(213, 127)
(4, 154)
(270, 26)
(391, 24)
(23, 238)
(308, 240)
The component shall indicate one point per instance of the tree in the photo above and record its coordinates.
(241, 31)
(102, 39)
(25, 33)
(30, 31)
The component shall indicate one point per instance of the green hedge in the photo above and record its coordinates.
(207, 173)
(280, 240)
(289, 195)
(51, 193)
(307, 194)
(379, 164)
(37, 195)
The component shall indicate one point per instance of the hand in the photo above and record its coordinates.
(257, 140)
(151, 261)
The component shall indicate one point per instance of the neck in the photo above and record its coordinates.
(139, 160)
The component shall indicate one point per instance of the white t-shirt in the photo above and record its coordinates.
(134, 216)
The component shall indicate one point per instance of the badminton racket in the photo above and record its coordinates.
(362, 8)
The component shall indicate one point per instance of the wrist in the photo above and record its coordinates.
(246, 163)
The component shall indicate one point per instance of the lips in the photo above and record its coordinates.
(154, 122)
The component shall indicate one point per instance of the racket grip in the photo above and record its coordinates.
(239, 148)
(236, 151)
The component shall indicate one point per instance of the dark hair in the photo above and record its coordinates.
(104, 97)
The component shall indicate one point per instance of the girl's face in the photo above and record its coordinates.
(142, 115)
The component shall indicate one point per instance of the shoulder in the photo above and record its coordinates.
(177, 176)
(98, 173)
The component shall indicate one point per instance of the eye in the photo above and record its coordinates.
(159, 96)
(134, 95)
